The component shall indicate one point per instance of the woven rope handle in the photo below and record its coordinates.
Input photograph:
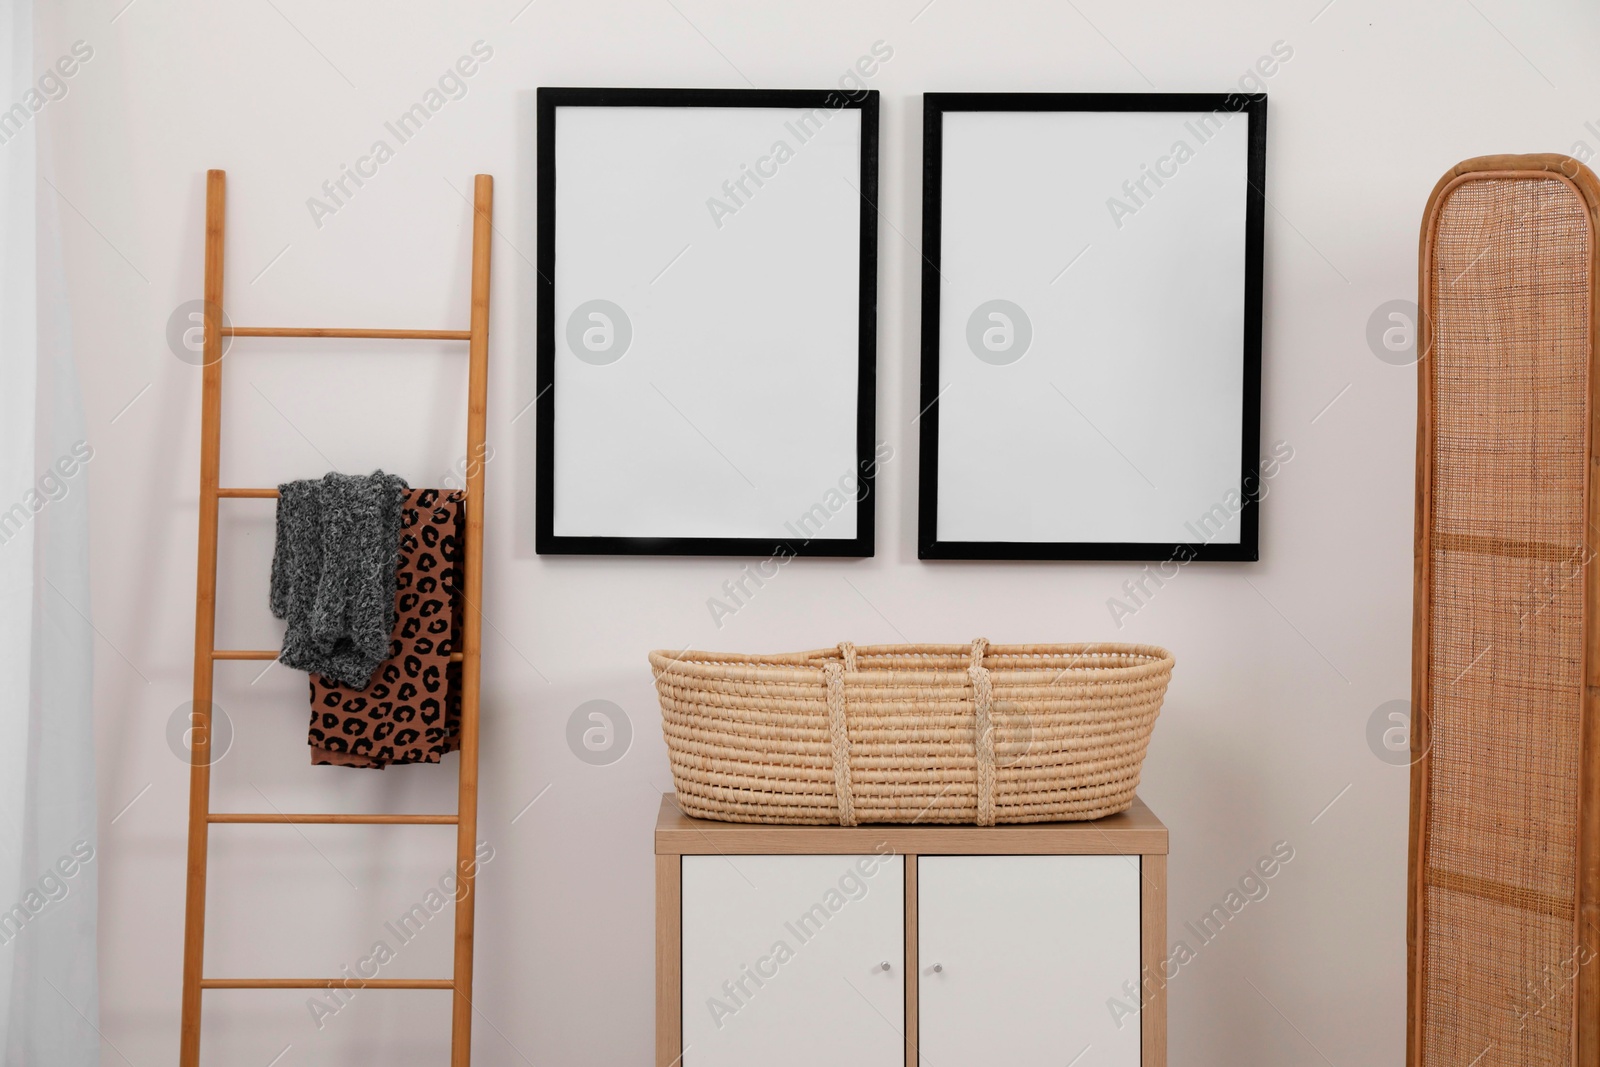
(839, 735)
(983, 730)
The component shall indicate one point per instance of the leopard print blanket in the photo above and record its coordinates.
(410, 712)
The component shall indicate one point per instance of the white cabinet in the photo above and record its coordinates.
(911, 946)
(793, 960)
(1020, 955)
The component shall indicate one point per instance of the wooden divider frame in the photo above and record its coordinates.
(206, 654)
(1586, 1002)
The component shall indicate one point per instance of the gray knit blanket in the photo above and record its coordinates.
(333, 572)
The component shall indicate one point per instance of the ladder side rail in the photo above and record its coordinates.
(205, 625)
(472, 625)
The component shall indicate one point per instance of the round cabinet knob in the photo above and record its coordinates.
(884, 965)
(938, 968)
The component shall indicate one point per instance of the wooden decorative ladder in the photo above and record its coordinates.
(206, 654)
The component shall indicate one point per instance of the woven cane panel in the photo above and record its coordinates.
(1479, 1026)
(1510, 295)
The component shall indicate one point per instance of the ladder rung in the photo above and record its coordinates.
(337, 818)
(317, 331)
(272, 653)
(259, 494)
(327, 983)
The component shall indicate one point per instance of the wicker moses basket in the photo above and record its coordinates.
(911, 733)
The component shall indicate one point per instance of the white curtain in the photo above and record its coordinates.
(49, 1001)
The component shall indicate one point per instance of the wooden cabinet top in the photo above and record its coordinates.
(1136, 831)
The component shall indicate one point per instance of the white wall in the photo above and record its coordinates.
(1280, 664)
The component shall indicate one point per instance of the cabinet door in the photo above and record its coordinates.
(1019, 956)
(783, 961)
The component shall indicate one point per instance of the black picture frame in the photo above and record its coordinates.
(549, 100)
(935, 107)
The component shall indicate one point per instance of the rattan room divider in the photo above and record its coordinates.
(1504, 893)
